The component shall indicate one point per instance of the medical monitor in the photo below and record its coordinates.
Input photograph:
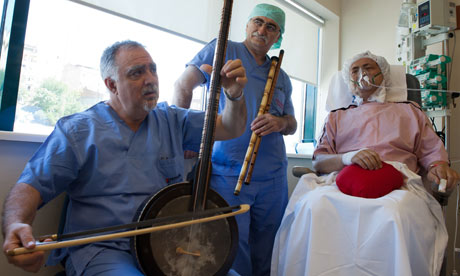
(435, 16)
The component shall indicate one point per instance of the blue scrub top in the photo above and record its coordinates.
(228, 156)
(108, 170)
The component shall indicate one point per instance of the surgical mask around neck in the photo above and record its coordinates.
(365, 82)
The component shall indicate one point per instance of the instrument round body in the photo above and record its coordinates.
(210, 247)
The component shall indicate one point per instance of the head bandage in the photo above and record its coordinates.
(380, 93)
(274, 13)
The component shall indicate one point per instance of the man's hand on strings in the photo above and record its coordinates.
(233, 77)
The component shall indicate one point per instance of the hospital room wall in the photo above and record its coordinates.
(371, 25)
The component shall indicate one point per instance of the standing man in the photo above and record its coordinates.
(109, 159)
(267, 193)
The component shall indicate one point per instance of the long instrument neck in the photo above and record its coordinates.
(201, 182)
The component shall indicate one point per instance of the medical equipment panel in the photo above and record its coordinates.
(430, 70)
(435, 16)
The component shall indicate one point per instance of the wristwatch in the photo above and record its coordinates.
(234, 99)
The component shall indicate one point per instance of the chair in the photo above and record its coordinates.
(413, 95)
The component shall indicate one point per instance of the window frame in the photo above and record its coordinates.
(15, 15)
(311, 98)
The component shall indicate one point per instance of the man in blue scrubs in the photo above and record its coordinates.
(267, 193)
(110, 158)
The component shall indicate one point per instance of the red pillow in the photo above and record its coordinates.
(356, 181)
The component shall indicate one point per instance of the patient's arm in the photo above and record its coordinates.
(440, 170)
(327, 163)
(366, 159)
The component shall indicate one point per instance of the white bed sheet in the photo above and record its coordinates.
(325, 232)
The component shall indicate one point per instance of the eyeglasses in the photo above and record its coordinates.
(270, 27)
(367, 69)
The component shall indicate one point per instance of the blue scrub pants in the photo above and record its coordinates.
(256, 228)
(108, 262)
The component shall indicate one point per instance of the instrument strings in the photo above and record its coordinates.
(207, 139)
(202, 177)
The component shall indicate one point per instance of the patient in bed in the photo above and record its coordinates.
(325, 232)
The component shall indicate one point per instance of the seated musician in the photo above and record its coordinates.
(327, 232)
(111, 157)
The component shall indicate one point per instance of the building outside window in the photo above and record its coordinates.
(60, 64)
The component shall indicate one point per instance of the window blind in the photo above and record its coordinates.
(200, 20)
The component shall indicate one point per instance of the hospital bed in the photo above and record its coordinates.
(291, 262)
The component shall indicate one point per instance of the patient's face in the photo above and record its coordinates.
(365, 67)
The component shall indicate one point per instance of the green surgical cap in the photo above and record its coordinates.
(274, 13)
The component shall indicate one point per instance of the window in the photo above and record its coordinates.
(2, 23)
(304, 101)
(310, 114)
(297, 97)
(49, 61)
(60, 61)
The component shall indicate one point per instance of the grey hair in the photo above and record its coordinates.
(108, 67)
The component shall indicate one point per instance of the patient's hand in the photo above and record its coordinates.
(441, 170)
(367, 159)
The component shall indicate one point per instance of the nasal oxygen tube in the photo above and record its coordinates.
(364, 82)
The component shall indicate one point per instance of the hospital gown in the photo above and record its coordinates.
(397, 131)
(325, 232)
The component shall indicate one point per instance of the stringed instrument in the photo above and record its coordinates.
(200, 249)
